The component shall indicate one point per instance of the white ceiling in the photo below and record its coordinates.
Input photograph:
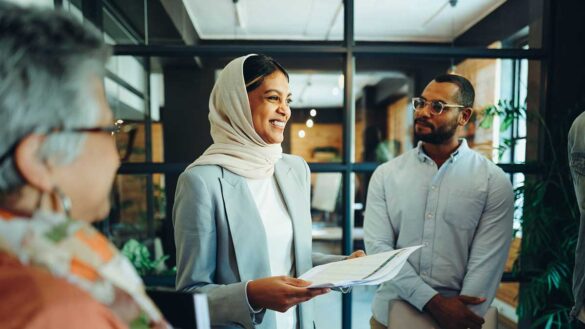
(375, 20)
(379, 20)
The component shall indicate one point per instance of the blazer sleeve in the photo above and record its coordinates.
(196, 241)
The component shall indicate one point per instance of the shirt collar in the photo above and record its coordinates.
(461, 150)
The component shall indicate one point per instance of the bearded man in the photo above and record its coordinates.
(450, 199)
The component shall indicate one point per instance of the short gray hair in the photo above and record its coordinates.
(48, 61)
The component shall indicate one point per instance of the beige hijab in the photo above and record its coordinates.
(236, 145)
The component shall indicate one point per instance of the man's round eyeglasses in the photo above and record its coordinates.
(437, 107)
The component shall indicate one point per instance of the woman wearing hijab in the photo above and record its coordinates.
(242, 210)
(58, 161)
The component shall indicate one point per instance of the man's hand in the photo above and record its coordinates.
(356, 254)
(452, 313)
(280, 293)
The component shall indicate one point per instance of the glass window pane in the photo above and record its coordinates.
(362, 298)
(328, 310)
(138, 214)
(482, 23)
(126, 83)
(327, 212)
(316, 121)
(518, 180)
(179, 91)
(327, 217)
(497, 129)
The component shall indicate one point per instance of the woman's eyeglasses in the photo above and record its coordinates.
(116, 129)
(437, 107)
(119, 127)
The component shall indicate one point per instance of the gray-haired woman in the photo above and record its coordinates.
(57, 164)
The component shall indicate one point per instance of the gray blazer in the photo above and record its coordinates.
(577, 166)
(221, 242)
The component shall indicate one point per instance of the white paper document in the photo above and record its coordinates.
(367, 270)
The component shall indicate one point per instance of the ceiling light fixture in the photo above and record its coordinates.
(301, 134)
(310, 123)
(313, 113)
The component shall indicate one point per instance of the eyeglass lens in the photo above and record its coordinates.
(420, 103)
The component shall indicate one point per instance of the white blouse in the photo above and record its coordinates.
(279, 236)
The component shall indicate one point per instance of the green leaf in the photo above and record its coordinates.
(140, 257)
(488, 116)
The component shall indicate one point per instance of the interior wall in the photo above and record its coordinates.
(485, 77)
(320, 135)
(398, 127)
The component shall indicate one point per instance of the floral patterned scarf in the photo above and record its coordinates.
(77, 252)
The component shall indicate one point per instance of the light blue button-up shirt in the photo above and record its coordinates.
(461, 213)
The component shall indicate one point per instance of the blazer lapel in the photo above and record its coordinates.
(246, 228)
(295, 198)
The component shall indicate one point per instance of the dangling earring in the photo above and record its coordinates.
(64, 200)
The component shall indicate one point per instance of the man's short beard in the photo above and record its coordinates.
(439, 136)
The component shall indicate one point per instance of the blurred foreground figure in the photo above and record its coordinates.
(58, 160)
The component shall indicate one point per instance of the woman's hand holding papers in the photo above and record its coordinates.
(280, 293)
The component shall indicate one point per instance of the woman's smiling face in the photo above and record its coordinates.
(270, 107)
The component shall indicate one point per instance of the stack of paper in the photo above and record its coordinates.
(368, 270)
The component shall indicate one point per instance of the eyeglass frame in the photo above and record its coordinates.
(110, 129)
(427, 102)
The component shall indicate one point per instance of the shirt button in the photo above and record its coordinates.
(429, 216)
(433, 187)
(423, 273)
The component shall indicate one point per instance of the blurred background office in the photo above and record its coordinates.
(354, 65)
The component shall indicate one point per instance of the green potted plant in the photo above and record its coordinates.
(152, 271)
(549, 228)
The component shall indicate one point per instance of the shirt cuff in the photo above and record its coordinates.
(252, 310)
(421, 296)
